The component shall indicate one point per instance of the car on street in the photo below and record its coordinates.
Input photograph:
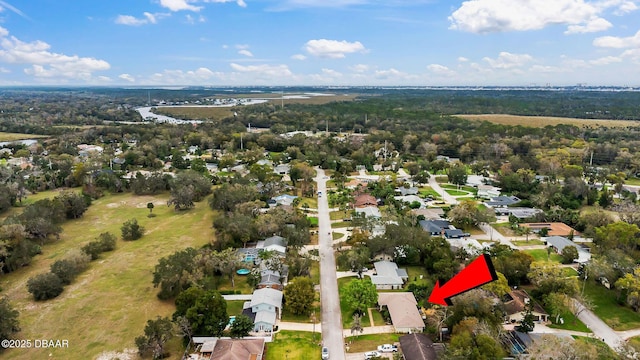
(371, 354)
(387, 348)
(325, 353)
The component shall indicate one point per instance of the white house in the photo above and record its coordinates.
(558, 243)
(266, 304)
(388, 276)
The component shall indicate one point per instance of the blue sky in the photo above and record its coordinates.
(319, 42)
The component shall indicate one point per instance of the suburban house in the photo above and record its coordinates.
(369, 212)
(388, 276)
(558, 243)
(403, 309)
(228, 349)
(364, 200)
(435, 227)
(419, 347)
(270, 279)
(282, 169)
(455, 234)
(409, 199)
(477, 180)
(519, 212)
(274, 243)
(285, 199)
(429, 214)
(502, 201)
(407, 191)
(488, 192)
(553, 229)
(515, 306)
(354, 184)
(266, 305)
(249, 255)
(471, 246)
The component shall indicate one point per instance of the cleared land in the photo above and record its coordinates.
(109, 304)
(542, 121)
(218, 113)
(5, 136)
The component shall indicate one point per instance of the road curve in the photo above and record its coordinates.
(331, 316)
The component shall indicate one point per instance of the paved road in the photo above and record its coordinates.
(599, 328)
(437, 188)
(331, 319)
(495, 235)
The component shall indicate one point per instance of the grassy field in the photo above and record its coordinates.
(339, 215)
(428, 190)
(454, 192)
(294, 345)
(5, 136)
(571, 322)
(541, 255)
(542, 121)
(606, 307)
(531, 242)
(108, 305)
(364, 343)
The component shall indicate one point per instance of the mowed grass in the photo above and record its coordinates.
(294, 345)
(619, 317)
(542, 121)
(364, 343)
(5, 136)
(543, 255)
(109, 304)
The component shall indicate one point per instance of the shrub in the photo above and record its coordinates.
(107, 241)
(131, 230)
(65, 270)
(45, 286)
(93, 249)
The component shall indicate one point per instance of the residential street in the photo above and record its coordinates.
(331, 319)
(599, 328)
(437, 188)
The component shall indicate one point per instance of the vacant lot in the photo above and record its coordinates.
(294, 345)
(108, 305)
(542, 121)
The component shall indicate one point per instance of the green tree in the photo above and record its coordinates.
(457, 174)
(557, 304)
(187, 299)
(549, 277)
(241, 327)
(131, 230)
(569, 254)
(74, 204)
(552, 347)
(156, 334)
(360, 295)
(605, 198)
(45, 286)
(355, 259)
(527, 323)
(467, 213)
(65, 270)
(150, 206)
(173, 273)
(299, 296)
(188, 188)
(499, 287)
(9, 323)
(630, 283)
(208, 316)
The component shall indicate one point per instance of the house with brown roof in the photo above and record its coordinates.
(403, 309)
(419, 347)
(232, 349)
(364, 200)
(515, 307)
(553, 228)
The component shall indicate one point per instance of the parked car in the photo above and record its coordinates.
(325, 353)
(371, 354)
(387, 348)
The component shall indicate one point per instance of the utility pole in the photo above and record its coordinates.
(591, 160)
(241, 142)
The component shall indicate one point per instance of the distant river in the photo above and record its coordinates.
(26, 142)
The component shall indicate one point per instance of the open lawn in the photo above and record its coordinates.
(414, 273)
(571, 322)
(294, 345)
(378, 320)
(364, 343)
(312, 203)
(470, 189)
(531, 241)
(234, 307)
(606, 307)
(339, 215)
(109, 304)
(342, 224)
(313, 221)
(542, 255)
(428, 190)
(542, 121)
(454, 192)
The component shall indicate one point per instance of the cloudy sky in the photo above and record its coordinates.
(320, 42)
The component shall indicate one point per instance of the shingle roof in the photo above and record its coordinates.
(267, 296)
(402, 309)
(417, 347)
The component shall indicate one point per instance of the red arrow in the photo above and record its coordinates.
(476, 274)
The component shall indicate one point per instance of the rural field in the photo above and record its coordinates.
(5, 136)
(542, 121)
(217, 113)
(108, 305)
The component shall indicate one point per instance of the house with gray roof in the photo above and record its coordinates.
(266, 304)
(388, 276)
(502, 201)
(558, 243)
(369, 212)
(434, 227)
(519, 212)
(403, 191)
(282, 169)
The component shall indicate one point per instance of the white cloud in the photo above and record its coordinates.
(618, 42)
(331, 73)
(389, 74)
(462, 59)
(595, 25)
(245, 52)
(298, 57)
(263, 69)
(192, 20)
(6, 5)
(44, 63)
(506, 60)
(4, 71)
(486, 16)
(545, 69)
(605, 60)
(633, 54)
(180, 77)
(149, 18)
(179, 5)
(333, 49)
(241, 46)
(127, 77)
(360, 68)
(441, 70)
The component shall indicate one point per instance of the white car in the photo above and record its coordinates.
(387, 348)
(371, 354)
(325, 353)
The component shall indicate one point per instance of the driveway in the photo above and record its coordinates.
(600, 329)
(331, 316)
